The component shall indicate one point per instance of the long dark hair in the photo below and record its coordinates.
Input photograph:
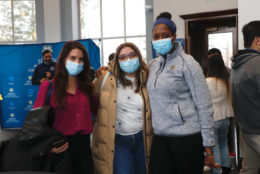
(217, 69)
(121, 74)
(61, 79)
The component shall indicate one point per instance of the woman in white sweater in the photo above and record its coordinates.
(219, 87)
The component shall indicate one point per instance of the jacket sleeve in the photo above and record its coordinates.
(211, 87)
(200, 94)
(42, 93)
(35, 80)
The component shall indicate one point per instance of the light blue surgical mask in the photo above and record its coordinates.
(163, 46)
(74, 68)
(130, 65)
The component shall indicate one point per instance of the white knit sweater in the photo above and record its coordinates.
(221, 102)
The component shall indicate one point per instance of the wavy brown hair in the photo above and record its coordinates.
(120, 75)
(61, 78)
(217, 69)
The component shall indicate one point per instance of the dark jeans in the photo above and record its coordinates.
(177, 155)
(129, 155)
(80, 154)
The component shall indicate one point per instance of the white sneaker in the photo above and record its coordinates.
(207, 169)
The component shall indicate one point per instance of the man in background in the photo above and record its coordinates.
(45, 70)
(111, 57)
(245, 83)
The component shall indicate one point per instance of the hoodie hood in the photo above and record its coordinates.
(243, 56)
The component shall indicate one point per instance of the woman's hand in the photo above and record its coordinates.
(48, 75)
(43, 79)
(209, 159)
(98, 73)
(60, 149)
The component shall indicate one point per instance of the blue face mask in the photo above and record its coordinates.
(163, 46)
(74, 68)
(130, 65)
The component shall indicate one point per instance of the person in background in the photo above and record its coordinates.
(219, 87)
(73, 100)
(44, 71)
(215, 51)
(111, 57)
(181, 107)
(245, 85)
(92, 73)
(122, 133)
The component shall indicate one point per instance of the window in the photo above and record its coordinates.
(224, 42)
(112, 22)
(17, 21)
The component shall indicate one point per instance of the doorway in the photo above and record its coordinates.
(204, 31)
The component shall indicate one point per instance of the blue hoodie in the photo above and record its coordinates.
(179, 97)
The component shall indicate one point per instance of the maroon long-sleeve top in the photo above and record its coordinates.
(75, 117)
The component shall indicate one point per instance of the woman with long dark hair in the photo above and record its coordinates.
(123, 130)
(219, 86)
(73, 101)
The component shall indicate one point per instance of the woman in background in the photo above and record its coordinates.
(219, 87)
(73, 101)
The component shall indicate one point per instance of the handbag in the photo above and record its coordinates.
(38, 120)
(29, 149)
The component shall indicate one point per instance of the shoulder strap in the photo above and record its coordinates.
(47, 101)
(104, 80)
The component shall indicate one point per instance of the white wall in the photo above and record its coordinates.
(75, 20)
(52, 20)
(53, 25)
(246, 12)
(182, 7)
(57, 20)
(69, 20)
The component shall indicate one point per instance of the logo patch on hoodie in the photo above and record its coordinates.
(172, 67)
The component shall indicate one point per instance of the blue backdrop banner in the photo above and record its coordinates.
(17, 63)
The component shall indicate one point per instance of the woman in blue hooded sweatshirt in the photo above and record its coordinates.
(181, 107)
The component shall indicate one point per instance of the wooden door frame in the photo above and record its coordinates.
(207, 16)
